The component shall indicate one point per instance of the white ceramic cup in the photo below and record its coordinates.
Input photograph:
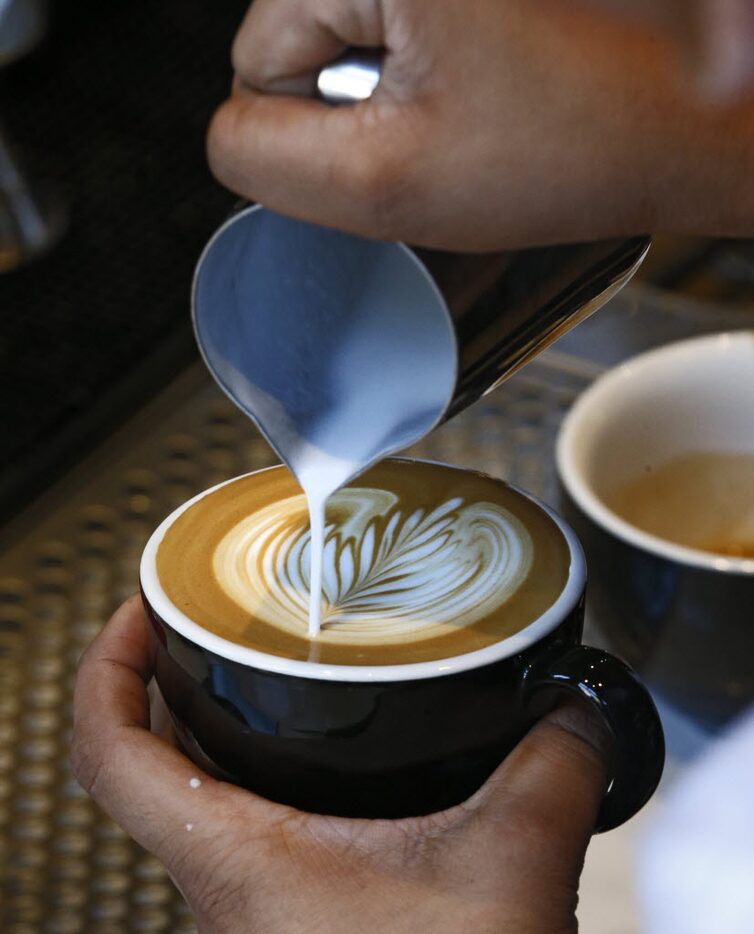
(682, 616)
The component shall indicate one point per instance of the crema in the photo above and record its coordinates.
(420, 561)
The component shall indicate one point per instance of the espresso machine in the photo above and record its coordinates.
(113, 421)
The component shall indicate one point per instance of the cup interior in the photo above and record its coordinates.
(559, 610)
(692, 396)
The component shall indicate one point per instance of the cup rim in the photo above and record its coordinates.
(636, 368)
(559, 610)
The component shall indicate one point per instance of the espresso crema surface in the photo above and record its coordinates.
(421, 562)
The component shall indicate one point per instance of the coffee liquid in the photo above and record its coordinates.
(420, 562)
(702, 500)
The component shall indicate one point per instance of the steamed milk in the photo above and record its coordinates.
(320, 476)
(419, 561)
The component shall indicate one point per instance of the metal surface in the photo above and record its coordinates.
(97, 325)
(341, 348)
(506, 307)
(351, 79)
(344, 349)
(32, 217)
(301, 324)
(69, 561)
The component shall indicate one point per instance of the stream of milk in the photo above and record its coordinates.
(341, 348)
(320, 475)
(317, 509)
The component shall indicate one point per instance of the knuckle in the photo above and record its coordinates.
(238, 54)
(359, 20)
(86, 657)
(259, 50)
(245, 65)
(243, 39)
(97, 760)
(87, 760)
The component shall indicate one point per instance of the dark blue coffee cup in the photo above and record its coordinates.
(394, 740)
(682, 616)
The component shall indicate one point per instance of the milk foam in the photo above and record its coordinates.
(387, 573)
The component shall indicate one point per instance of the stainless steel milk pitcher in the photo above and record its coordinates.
(316, 333)
(506, 307)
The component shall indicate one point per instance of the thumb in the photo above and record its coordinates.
(548, 790)
(302, 157)
(351, 167)
(161, 799)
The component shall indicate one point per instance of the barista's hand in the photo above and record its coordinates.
(509, 859)
(497, 123)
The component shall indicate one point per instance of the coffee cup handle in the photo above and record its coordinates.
(625, 706)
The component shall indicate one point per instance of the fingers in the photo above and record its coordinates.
(144, 783)
(347, 167)
(549, 789)
(281, 41)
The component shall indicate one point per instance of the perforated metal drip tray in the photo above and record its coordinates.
(74, 557)
(70, 560)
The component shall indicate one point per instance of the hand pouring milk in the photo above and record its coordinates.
(344, 350)
(341, 349)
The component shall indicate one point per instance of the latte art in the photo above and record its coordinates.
(388, 572)
(421, 562)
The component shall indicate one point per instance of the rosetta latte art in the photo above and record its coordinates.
(388, 573)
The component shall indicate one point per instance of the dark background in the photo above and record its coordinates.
(112, 108)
